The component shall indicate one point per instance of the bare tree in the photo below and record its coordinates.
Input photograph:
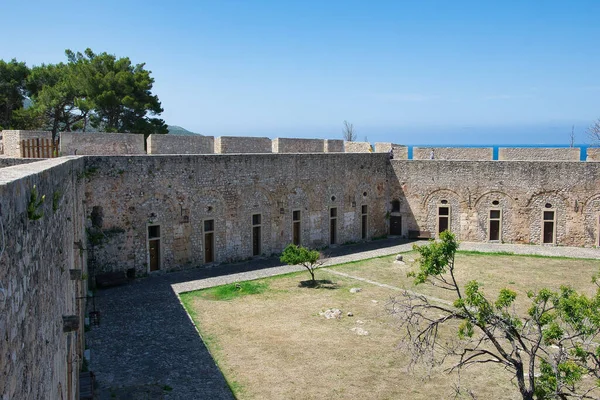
(548, 352)
(594, 133)
(572, 136)
(348, 132)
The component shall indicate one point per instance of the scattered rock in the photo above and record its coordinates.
(350, 314)
(332, 313)
(411, 260)
(355, 290)
(358, 321)
(374, 301)
(399, 257)
(359, 331)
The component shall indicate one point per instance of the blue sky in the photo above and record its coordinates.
(446, 72)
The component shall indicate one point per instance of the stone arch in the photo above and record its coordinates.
(440, 192)
(298, 197)
(441, 197)
(536, 205)
(483, 205)
(546, 193)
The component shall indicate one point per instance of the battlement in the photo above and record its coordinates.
(77, 143)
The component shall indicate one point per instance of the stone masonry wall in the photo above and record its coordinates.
(37, 359)
(242, 144)
(12, 140)
(9, 162)
(179, 193)
(539, 154)
(334, 146)
(593, 154)
(180, 144)
(453, 153)
(357, 147)
(399, 151)
(521, 190)
(287, 145)
(101, 143)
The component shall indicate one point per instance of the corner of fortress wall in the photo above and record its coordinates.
(38, 290)
(179, 193)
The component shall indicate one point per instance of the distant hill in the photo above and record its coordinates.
(178, 130)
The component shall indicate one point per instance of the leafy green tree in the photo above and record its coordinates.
(548, 351)
(13, 76)
(299, 255)
(118, 93)
(58, 100)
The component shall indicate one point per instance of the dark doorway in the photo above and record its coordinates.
(154, 255)
(256, 240)
(332, 225)
(154, 247)
(395, 225)
(256, 234)
(364, 222)
(494, 225)
(548, 235)
(296, 227)
(443, 219)
(209, 241)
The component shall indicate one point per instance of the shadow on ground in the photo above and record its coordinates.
(146, 347)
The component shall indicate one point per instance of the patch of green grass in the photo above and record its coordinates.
(485, 253)
(237, 388)
(510, 253)
(230, 291)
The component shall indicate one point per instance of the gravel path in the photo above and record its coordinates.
(147, 347)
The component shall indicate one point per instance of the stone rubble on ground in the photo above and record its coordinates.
(359, 331)
(399, 260)
(332, 313)
(350, 314)
(355, 290)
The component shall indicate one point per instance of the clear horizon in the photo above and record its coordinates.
(432, 72)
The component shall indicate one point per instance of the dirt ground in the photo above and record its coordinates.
(276, 344)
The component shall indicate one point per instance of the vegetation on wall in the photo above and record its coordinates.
(33, 207)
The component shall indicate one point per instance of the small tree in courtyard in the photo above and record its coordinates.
(548, 351)
(299, 255)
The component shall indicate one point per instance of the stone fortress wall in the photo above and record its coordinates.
(453, 153)
(100, 144)
(241, 144)
(180, 193)
(11, 140)
(521, 190)
(538, 154)
(180, 144)
(38, 358)
(168, 212)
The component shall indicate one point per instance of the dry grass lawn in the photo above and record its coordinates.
(275, 345)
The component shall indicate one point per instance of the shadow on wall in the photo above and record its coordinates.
(401, 217)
